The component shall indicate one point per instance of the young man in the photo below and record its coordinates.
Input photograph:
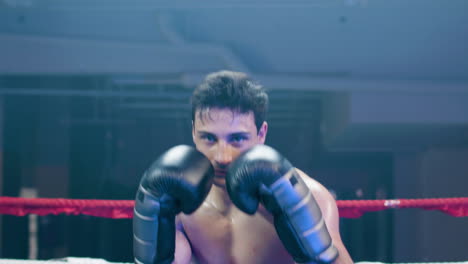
(228, 118)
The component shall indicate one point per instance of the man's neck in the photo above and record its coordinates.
(218, 197)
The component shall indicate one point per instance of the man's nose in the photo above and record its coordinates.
(223, 154)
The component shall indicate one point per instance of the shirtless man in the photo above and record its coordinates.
(228, 120)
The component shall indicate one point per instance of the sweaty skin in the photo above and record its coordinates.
(218, 232)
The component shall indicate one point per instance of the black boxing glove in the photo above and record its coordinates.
(178, 181)
(261, 174)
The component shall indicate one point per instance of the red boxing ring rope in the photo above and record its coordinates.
(457, 207)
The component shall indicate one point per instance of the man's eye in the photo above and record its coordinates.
(238, 139)
(208, 138)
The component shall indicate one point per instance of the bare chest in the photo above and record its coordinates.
(227, 235)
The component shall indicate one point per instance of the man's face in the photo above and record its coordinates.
(222, 134)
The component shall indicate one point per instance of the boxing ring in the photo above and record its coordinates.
(121, 209)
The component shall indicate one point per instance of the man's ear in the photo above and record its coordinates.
(262, 133)
(193, 131)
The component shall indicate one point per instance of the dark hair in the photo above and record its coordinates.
(231, 90)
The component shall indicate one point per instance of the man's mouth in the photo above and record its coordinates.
(220, 172)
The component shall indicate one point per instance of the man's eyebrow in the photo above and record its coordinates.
(204, 132)
(236, 134)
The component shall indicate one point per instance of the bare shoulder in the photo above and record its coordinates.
(183, 251)
(324, 198)
(327, 204)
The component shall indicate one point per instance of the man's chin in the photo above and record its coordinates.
(219, 181)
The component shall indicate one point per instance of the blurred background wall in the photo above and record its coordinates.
(368, 97)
